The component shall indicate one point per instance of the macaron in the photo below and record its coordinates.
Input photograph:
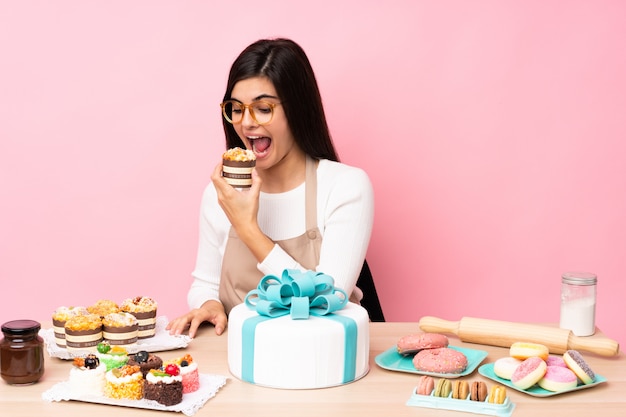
(443, 388)
(478, 391)
(529, 372)
(497, 394)
(460, 390)
(425, 385)
(574, 361)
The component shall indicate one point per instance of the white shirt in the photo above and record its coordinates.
(345, 215)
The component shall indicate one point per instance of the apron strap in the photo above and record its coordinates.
(310, 199)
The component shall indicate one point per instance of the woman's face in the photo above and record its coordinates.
(270, 142)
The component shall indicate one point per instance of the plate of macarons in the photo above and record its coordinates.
(532, 370)
(430, 354)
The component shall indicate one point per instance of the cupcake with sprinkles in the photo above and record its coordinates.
(124, 383)
(189, 373)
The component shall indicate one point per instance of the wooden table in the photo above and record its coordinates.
(380, 393)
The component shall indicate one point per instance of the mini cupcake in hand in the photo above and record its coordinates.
(237, 167)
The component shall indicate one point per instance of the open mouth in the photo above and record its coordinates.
(259, 145)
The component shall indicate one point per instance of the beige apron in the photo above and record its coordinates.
(239, 267)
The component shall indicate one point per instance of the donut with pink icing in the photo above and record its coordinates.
(413, 343)
(529, 372)
(442, 360)
(558, 378)
(554, 360)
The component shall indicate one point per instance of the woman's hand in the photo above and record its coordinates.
(242, 208)
(211, 311)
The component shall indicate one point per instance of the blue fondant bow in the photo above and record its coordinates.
(297, 293)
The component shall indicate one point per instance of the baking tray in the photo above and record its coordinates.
(393, 361)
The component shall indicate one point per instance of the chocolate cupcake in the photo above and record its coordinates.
(237, 167)
(165, 387)
(146, 361)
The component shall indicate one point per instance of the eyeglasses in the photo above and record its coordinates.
(261, 111)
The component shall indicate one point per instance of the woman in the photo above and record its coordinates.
(304, 210)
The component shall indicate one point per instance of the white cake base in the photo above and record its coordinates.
(298, 354)
(87, 381)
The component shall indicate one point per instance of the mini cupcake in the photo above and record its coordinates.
(87, 376)
(83, 332)
(145, 309)
(124, 383)
(59, 317)
(146, 361)
(165, 387)
(120, 329)
(103, 307)
(189, 373)
(237, 166)
(112, 357)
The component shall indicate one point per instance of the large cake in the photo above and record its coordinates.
(297, 331)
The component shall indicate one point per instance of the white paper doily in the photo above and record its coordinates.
(162, 340)
(192, 402)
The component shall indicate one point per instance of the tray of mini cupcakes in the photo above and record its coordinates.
(133, 323)
(113, 376)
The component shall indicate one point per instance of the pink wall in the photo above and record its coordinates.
(493, 133)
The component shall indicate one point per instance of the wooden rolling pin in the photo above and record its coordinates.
(504, 334)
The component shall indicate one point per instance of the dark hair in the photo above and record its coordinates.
(286, 65)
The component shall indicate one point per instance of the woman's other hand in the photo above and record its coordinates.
(211, 311)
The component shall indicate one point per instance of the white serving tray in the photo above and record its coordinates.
(161, 341)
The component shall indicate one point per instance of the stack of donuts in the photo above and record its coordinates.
(432, 353)
(461, 390)
(531, 363)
